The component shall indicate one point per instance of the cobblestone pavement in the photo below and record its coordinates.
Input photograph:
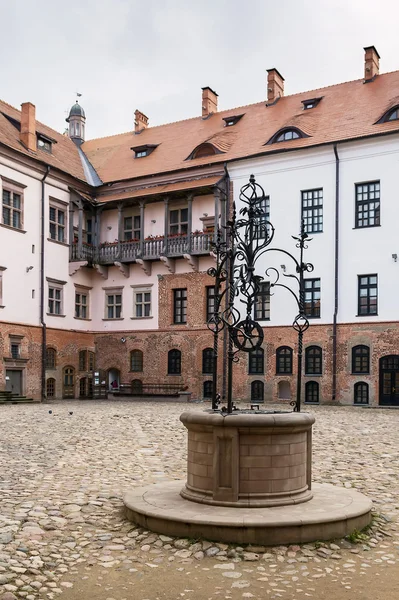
(62, 476)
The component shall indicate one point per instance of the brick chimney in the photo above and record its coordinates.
(209, 102)
(28, 126)
(371, 63)
(275, 85)
(140, 121)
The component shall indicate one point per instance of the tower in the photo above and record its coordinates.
(76, 120)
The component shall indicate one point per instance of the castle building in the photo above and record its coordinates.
(105, 246)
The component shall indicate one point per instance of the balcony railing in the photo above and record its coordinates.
(153, 249)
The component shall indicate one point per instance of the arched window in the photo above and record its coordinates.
(361, 393)
(360, 359)
(312, 392)
(207, 361)
(257, 391)
(284, 360)
(174, 362)
(287, 134)
(202, 151)
(51, 356)
(50, 387)
(256, 361)
(208, 389)
(313, 360)
(390, 115)
(82, 360)
(137, 387)
(136, 361)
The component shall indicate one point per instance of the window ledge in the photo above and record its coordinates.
(313, 375)
(366, 226)
(117, 319)
(82, 319)
(284, 374)
(54, 315)
(12, 228)
(58, 242)
(136, 371)
(309, 317)
(368, 315)
(140, 318)
(361, 374)
(51, 368)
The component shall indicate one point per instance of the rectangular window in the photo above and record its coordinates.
(2, 269)
(262, 302)
(367, 295)
(82, 360)
(54, 300)
(180, 306)
(15, 349)
(142, 303)
(263, 228)
(57, 223)
(113, 305)
(12, 208)
(368, 204)
(132, 228)
(81, 305)
(89, 231)
(312, 210)
(210, 301)
(312, 298)
(178, 221)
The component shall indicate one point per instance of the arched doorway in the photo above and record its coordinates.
(113, 379)
(389, 380)
(68, 382)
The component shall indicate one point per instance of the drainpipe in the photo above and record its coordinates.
(336, 278)
(225, 331)
(42, 320)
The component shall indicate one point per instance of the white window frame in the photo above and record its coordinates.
(181, 225)
(142, 290)
(12, 188)
(82, 291)
(59, 207)
(56, 286)
(113, 292)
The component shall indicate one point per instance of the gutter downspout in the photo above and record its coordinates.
(225, 331)
(336, 278)
(42, 320)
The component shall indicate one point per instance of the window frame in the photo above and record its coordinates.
(314, 362)
(143, 290)
(284, 362)
(174, 361)
(360, 204)
(2, 269)
(180, 306)
(207, 361)
(133, 232)
(113, 307)
(262, 227)
(361, 355)
(207, 393)
(359, 385)
(136, 361)
(59, 208)
(50, 382)
(367, 287)
(314, 311)
(262, 299)
(12, 189)
(82, 360)
(312, 390)
(80, 306)
(180, 227)
(51, 363)
(310, 214)
(256, 361)
(15, 349)
(257, 383)
(210, 301)
(55, 286)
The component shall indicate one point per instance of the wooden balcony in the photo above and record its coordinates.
(194, 244)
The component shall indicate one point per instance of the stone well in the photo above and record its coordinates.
(256, 460)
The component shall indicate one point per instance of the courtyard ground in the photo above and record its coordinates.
(63, 534)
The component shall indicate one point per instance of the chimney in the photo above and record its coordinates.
(28, 126)
(275, 86)
(209, 102)
(371, 63)
(140, 121)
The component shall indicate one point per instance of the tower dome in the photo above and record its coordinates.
(76, 120)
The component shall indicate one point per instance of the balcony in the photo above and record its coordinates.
(173, 246)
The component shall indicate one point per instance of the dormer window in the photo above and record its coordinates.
(45, 143)
(394, 115)
(232, 120)
(308, 104)
(203, 150)
(390, 115)
(142, 151)
(287, 134)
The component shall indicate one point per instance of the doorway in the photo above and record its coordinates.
(68, 382)
(389, 380)
(113, 379)
(14, 381)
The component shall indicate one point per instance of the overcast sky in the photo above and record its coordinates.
(156, 55)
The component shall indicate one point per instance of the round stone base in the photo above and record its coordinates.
(333, 512)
